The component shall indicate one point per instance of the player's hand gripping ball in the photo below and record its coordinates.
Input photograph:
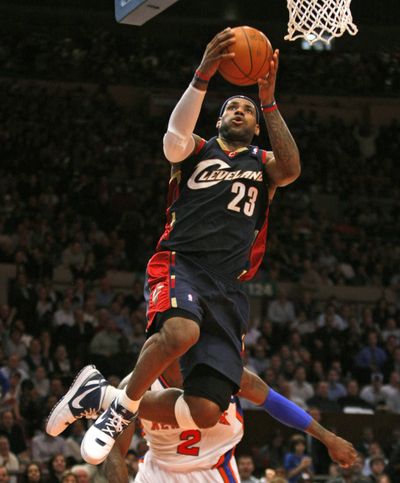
(253, 53)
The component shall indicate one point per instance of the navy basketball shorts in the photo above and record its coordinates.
(174, 281)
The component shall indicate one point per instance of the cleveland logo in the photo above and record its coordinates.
(203, 177)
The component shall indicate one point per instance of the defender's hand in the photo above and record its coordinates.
(215, 52)
(266, 85)
(341, 451)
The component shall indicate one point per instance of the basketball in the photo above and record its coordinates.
(253, 52)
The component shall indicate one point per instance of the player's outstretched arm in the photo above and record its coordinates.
(257, 391)
(284, 166)
(179, 141)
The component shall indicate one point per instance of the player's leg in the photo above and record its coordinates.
(175, 337)
(89, 393)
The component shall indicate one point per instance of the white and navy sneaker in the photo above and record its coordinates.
(100, 437)
(83, 400)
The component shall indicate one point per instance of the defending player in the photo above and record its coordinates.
(214, 239)
(188, 454)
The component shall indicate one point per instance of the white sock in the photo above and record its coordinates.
(128, 403)
(110, 394)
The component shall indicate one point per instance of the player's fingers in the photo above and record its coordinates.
(226, 43)
(225, 55)
(224, 35)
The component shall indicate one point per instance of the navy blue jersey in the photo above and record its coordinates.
(217, 209)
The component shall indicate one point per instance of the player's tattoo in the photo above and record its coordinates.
(283, 145)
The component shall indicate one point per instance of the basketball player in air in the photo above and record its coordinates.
(214, 239)
(189, 454)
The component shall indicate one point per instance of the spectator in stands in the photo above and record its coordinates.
(56, 466)
(74, 440)
(44, 307)
(281, 311)
(373, 393)
(33, 474)
(22, 297)
(41, 381)
(299, 387)
(135, 297)
(336, 388)
(80, 335)
(84, 473)
(64, 316)
(371, 357)
(374, 451)
(14, 433)
(35, 357)
(297, 464)
(352, 402)
(246, 468)
(321, 399)
(105, 346)
(45, 446)
(7, 457)
(60, 363)
(14, 366)
(377, 465)
(69, 477)
(104, 294)
(259, 360)
(14, 344)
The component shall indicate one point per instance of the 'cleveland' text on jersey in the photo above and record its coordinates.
(217, 209)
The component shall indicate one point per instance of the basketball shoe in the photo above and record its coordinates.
(83, 400)
(100, 437)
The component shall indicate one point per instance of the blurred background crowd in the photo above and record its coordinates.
(82, 188)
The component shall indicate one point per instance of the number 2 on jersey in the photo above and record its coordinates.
(240, 190)
(189, 438)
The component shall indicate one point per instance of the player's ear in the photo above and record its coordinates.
(257, 130)
(218, 125)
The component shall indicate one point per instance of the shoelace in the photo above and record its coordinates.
(90, 413)
(115, 424)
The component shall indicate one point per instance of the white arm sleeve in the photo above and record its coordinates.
(178, 140)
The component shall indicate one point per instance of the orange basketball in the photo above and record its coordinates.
(253, 52)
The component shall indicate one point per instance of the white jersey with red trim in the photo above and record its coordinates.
(179, 450)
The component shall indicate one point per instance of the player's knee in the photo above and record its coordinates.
(205, 413)
(178, 335)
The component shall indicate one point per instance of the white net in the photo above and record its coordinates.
(316, 20)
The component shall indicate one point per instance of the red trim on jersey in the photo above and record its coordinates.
(259, 246)
(239, 416)
(264, 155)
(222, 472)
(159, 280)
(163, 382)
(219, 462)
(200, 146)
(172, 196)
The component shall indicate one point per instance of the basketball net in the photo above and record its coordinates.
(316, 20)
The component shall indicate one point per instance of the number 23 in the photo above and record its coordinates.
(240, 190)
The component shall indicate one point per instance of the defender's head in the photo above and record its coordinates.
(239, 119)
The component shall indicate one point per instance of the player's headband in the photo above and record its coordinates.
(240, 97)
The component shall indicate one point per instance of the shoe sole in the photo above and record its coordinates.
(78, 381)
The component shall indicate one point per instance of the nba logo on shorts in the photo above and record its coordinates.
(190, 297)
